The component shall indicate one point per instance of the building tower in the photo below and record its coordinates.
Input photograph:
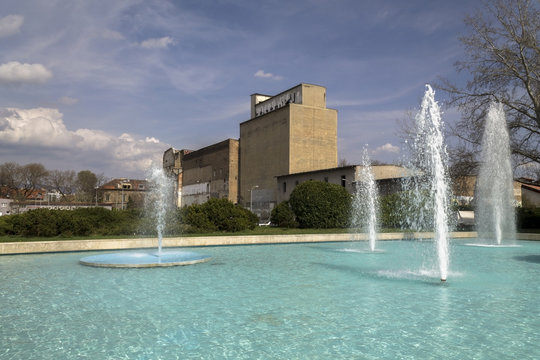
(290, 132)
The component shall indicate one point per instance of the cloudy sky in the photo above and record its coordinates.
(109, 85)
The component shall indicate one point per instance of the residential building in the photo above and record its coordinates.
(118, 193)
(5, 206)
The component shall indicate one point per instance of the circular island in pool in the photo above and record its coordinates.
(140, 259)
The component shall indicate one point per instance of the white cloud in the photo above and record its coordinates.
(262, 74)
(157, 43)
(112, 35)
(66, 100)
(44, 128)
(387, 148)
(10, 25)
(14, 72)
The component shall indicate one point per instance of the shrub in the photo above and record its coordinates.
(283, 216)
(78, 222)
(318, 204)
(528, 218)
(219, 215)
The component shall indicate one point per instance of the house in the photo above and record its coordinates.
(118, 193)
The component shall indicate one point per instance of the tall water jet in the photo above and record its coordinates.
(428, 189)
(156, 201)
(366, 201)
(494, 187)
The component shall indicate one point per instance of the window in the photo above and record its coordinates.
(326, 179)
(343, 180)
(284, 186)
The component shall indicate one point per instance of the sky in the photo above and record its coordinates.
(108, 86)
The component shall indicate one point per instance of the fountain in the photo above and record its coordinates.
(494, 189)
(365, 202)
(157, 205)
(428, 190)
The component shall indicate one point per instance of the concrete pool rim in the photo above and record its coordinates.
(33, 247)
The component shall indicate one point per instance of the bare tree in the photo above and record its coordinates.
(503, 59)
(62, 181)
(10, 174)
(32, 177)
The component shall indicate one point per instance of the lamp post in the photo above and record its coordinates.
(251, 197)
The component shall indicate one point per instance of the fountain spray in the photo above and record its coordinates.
(366, 201)
(157, 201)
(494, 188)
(431, 159)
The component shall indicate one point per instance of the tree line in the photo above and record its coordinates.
(21, 181)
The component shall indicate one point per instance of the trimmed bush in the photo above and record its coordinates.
(78, 222)
(219, 215)
(528, 218)
(321, 205)
(283, 216)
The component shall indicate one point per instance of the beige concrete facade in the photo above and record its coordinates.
(8, 248)
(464, 188)
(172, 165)
(288, 133)
(211, 172)
(530, 196)
(386, 176)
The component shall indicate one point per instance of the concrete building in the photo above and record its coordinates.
(118, 193)
(288, 133)
(530, 196)
(172, 165)
(387, 177)
(211, 172)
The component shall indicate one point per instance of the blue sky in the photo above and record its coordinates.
(109, 85)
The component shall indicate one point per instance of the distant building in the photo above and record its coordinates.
(464, 190)
(5, 206)
(387, 177)
(530, 195)
(211, 172)
(118, 193)
(287, 133)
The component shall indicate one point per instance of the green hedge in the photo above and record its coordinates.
(218, 215)
(283, 216)
(78, 222)
(321, 205)
(528, 218)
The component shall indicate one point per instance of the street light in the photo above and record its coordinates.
(251, 197)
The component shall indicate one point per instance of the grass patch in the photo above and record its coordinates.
(260, 230)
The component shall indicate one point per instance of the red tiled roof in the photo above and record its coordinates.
(534, 188)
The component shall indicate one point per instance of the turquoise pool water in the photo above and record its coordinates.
(300, 301)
